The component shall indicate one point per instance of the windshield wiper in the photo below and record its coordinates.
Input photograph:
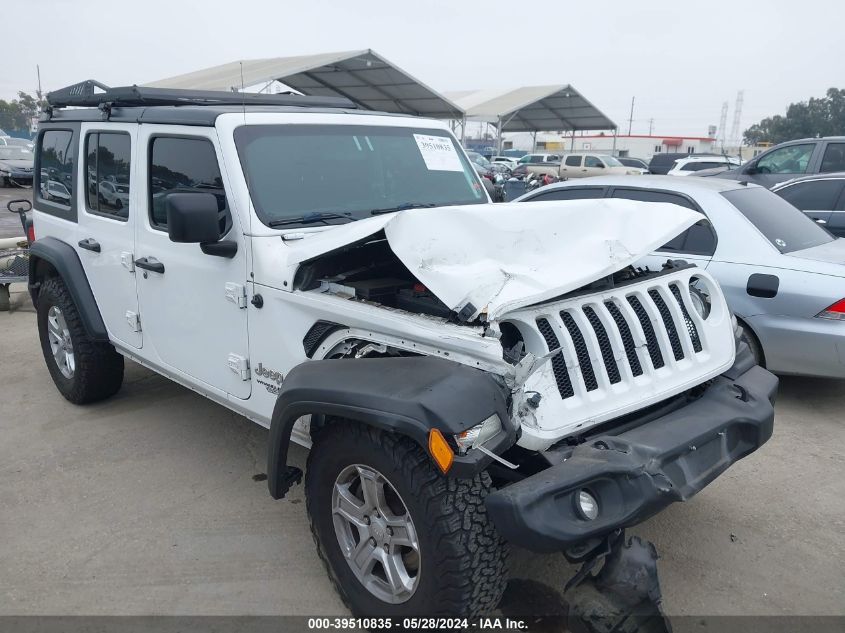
(403, 207)
(310, 218)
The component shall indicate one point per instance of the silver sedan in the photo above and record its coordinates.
(783, 275)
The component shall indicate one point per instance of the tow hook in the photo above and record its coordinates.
(624, 595)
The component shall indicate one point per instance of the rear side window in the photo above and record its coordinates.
(699, 239)
(813, 195)
(180, 164)
(698, 166)
(592, 161)
(783, 225)
(645, 195)
(573, 193)
(573, 161)
(55, 181)
(107, 162)
(834, 158)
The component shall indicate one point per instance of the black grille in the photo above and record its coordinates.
(604, 345)
(669, 322)
(564, 385)
(581, 351)
(648, 330)
(627, 338)
(691, 329)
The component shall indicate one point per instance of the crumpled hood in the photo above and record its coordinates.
(495, 258)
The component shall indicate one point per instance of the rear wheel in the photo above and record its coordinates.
(83, 370)
(397, 537)
(749, 338)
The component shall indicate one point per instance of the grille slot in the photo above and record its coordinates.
(691, 329)
(604, 345)
(669, 322)
(564, 384)
(650, 337)
(627, 338)
(581, 351)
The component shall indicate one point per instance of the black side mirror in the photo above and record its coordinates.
(751, 168)
(193, 218)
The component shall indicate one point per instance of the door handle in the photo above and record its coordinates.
(150, 263)
(90, 244)
(820, 221)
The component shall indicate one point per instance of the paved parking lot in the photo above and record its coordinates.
(147, 503)
(10, 224)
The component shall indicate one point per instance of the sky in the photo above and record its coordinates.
(680, 62)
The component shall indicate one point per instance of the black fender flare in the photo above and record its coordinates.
(63, 258)
(408, 395)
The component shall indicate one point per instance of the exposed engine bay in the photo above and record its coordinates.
(369, 271)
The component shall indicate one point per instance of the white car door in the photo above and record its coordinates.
(193, 304)
(106, 231)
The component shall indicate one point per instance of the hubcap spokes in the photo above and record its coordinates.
(61, 345)
(376, 533)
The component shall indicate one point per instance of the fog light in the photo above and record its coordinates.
(587, 505)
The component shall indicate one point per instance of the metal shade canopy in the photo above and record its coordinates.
(533, 109)
(361, 76)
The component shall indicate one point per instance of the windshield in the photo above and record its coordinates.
(11, 152)
(787, 228)
(296, 170)
(610, 161)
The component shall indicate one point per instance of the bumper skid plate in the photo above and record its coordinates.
(639, 472)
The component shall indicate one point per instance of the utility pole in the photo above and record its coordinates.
(650, 126)
(631, 118)
(38, 70)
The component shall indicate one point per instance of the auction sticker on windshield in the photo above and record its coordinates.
(438, 152)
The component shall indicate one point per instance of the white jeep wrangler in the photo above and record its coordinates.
(466, 374)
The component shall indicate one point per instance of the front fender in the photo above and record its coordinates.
(406, 395)
(63, 259)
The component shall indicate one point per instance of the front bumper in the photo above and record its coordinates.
(640, 471)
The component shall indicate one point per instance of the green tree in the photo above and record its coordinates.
(824, 116)
(17, 113)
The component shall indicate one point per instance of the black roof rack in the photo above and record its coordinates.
(94, 94)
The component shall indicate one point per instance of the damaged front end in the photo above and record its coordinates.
(624, 390)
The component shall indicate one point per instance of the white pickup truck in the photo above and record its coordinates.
(465, 374)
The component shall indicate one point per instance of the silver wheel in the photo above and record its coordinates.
(60, 342)
(376, 533)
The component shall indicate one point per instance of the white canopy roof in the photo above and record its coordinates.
(361, 76)
(533, 109)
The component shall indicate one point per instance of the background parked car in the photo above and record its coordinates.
(585, 165)
(783, 274)
(791, 159)
(821, 197)
(630, 161)
(508, 161)
(16, 165)
(693, 164)
(539, 159)
(663, 162)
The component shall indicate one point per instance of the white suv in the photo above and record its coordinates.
(693, 164)
(465, 374)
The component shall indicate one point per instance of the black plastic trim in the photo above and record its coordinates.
(64, 259)
(639, 471)
(406, 395)
(318, 333)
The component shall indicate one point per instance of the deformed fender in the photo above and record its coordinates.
(408, 395)
(61, 256)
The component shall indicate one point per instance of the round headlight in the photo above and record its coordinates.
(700, 298)
(588, 507)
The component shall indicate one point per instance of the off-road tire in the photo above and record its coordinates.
(463, 560)
(99, 368)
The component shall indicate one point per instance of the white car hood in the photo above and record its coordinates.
(494, 258)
